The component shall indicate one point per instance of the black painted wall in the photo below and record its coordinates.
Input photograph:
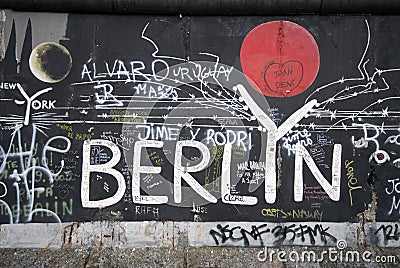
(121, 76)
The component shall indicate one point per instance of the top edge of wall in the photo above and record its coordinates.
(206, 7)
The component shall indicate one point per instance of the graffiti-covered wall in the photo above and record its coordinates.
(288, 122)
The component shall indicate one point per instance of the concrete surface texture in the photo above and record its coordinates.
(177, 257)
(187, 244)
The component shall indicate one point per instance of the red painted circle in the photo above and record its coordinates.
(281, 58)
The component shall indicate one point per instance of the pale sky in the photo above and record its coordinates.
(45, 27)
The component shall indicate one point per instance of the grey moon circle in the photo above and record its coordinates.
(50, 62)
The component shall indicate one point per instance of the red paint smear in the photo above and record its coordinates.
(280, 58)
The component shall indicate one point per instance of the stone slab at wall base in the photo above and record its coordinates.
(191, 244)
(168, 257)
(126, 235)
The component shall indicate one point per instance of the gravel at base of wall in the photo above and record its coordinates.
(171, 257)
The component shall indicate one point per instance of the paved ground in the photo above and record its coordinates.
(176, 257)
